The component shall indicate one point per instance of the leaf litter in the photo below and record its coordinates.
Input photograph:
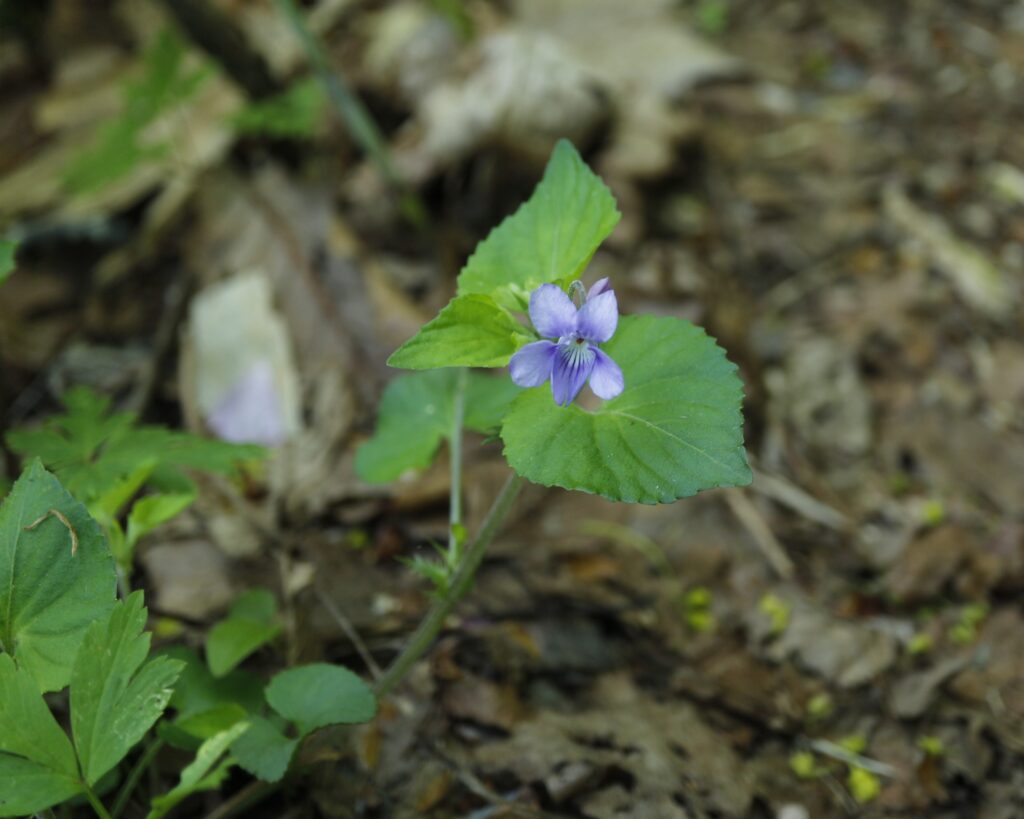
(840, 206)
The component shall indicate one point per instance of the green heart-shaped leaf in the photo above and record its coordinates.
(675, 429)
(320, 694)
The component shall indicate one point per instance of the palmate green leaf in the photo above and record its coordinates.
(264, 751)
(550, 238)
(7, 249)
(116, 695)
(37, 762)
(92, 450)
(54, 581)
(471, 331)
(416, 415)
(250, 625)
(204, 773)
(676, 428)
(317, 695)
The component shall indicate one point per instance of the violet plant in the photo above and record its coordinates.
(668, 420)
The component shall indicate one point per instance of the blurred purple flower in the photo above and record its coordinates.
(575, 357)
(250, 412)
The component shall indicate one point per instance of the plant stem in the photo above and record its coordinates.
(354, 114)
(455, 456)
(97, 805)
(141, 764)
(431, 625)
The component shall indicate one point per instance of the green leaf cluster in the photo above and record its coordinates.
(94, 450)
(116, 695)
(303, 699)
(106, 458)
(676, 428)
(212, 697)
(165, 81)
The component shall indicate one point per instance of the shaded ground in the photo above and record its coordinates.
(835, 190)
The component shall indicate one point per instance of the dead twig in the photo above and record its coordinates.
(751, 518)
(792, 496)
(350, 632)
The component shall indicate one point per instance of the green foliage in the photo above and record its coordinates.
(712, 16)
(864, 785)
(471, 331)
(551, 238)
(920, 643)
(294, 113)
(93, 450)
(115, 697)
(165, 81)
(56, 577)
(804, 765)
(7, 249)
(206, 771)
(37, 761)
(116, 694)
(820, 706)
(777, 611)
(251, 623)
(932, 745)
(309, 697)
(416, 414)
(315, 696)
(966, 628)
(697, 609)
(205, 704)
(152, 511)
(264, 751)
(676, 428)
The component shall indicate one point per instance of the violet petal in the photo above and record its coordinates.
(250, 412)
(531, 365)
(573, 364)
(597, 288)
(606, 378)
(552, 312)
(598, 318)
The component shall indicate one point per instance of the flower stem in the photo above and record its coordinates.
(97, 805)
(455, 456)
(431, 625)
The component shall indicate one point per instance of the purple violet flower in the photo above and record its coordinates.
(575, 358)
